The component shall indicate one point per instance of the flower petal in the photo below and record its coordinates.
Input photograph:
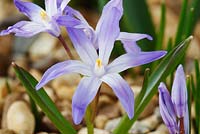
(85, 93)
(89, 31)
(24, 29)
(64, 4)
(66, 67)
(129, 41)
(51, 7)
(68, 21)
(107, 29)
(31, 10)
(179, 92)
(187, 121)
(83, 46)
(122, 91)
(124, 36)
(167, 110)
(130, 60)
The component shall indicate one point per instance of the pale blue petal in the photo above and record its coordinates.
(130, 60)
(51, 7)
(31, 10)
(83, 46)
(107, 29)
(165, 100)
(89, 31)
(124, 36)
(167, 110)
(129, 41)
(64, 4)
(24, 29)
(85, 93)
(68, 21)
(66, 67)
(53, 28)
(179, 92)
(122, 91)
(187, 121)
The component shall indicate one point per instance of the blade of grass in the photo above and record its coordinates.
(137, 18)
(167, 66)
(182, 20)
(144, 87)
(42, 99)
(160, 35)
(193, 16)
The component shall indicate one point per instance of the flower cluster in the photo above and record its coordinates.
(93, 46)
(174, 109)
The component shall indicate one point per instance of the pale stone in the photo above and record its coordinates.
(96, 131)
(20, 119)
(42, 47)
(100, 121)
(65, 92)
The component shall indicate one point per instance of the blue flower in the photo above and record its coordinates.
(95, 66)
(41, 20)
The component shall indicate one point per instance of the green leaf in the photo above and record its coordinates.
(144, 87)
(42, 99)
(192, 17)
(137, 18)
(161, 32)
(182, 20)
(167, 66)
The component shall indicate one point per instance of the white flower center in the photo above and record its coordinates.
(44, 16)
(99, 69)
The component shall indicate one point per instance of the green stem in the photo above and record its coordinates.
(91, 113)
(90, 126)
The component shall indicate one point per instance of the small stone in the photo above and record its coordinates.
(162, 129)
(66, 80)
(20, 119)
(65, 92)
(150, 107)
(111, 124)
(105, 100)
(96, 131)
(111, 111)
(6, 131)
(42, 47)
(11, 98)
(100, 121)
(36, 74)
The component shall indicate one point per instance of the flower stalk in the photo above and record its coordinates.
(61, 39)
(182, 130)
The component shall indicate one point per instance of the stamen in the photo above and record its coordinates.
(99, 62)
(43, 15)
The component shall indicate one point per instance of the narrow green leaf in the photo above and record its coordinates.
(42, 99)
(36, 114)
(144, 87)
(193, 16)
(160, 35)
(197, 71)
(167, 66)
(182, 20)
(137, 18)
(169, 44)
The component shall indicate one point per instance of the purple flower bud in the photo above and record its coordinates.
(167, 110)
(179, 92)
